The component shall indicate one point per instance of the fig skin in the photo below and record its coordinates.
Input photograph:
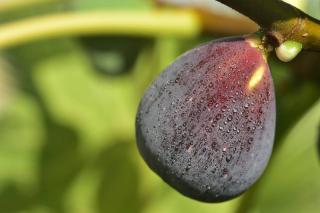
(206, 125)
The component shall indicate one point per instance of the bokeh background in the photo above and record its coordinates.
(71, 76)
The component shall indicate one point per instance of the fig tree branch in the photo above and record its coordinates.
(281, 20)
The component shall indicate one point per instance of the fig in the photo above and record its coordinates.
(206, 125)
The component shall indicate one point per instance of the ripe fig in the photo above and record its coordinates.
(206, 125)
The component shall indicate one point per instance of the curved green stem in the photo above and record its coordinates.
(154, 23)
(281, 18)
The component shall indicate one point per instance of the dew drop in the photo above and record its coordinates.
(229, 118)
(224, 108)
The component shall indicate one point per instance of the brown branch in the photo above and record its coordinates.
(281, 18)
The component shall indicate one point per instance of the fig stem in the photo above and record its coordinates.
(281, 18)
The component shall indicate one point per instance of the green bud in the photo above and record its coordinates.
(288, 50)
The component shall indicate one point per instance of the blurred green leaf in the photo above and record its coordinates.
(293, 97)
(292, 180)
(111, 4)
(74, 93)
(114, 55)
(119, 183)
(77, 95)
(318, 145)
(18, 9)
(313, 8)
(14, 199)
(21, 133)
(59, 164)
(166, 199)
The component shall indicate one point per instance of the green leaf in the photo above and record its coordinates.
(59, 164)
(313, 8)
(110, 184)
(76, 95)
(111, 4)
(21, 136)
(166, 199)
(21, 133)
(294, 97)
(17, 9)
(119, 183)
(291, 183)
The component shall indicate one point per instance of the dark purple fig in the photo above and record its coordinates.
(206, 125)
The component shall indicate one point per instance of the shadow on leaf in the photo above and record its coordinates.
(59, 163)
(13, 199)
(118, 188)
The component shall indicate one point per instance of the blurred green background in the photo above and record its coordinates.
(71, 76)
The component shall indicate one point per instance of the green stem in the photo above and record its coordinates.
(281, 18)
(154, 23)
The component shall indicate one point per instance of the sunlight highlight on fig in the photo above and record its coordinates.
(256, 77)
